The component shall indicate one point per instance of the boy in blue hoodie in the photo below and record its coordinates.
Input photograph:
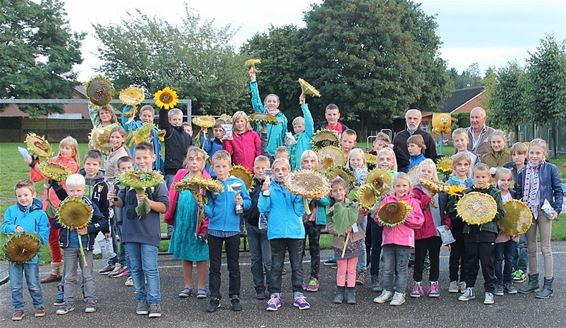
(416, 147)
(304, 130)
(285, 231)
(224, 229)
(26, 217)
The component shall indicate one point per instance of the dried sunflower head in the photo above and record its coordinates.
(252, 62)
(434, 186)
(38, 146)
(330, 156)
(381, 181)
(263, 118)
(206, 121)
(100, 140)
(74, 212)
(308, 89)
(244, 174)
(21, 247)
(54, 171)
(197, 182)
(140, 180)
(476, 208)
(367, 196)
(339, 171)
(99, 90)
(132, 95)
(394, 213)
(308, 184)
(323, 138)
(518, 218)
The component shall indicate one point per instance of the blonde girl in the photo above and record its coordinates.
(245, 145)
(68, 157)
(117, 139)
(539, 187)
(188, 241)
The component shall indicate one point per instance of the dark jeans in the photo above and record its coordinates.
(504, 251)
(521, 254)
(260, 256)
(376, 239)
(232, 247)
(295, 249)
(480, 252)
(431, 246)
(313, 234)
(456, 260)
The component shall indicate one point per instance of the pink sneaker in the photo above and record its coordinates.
(434, 289)
(417, 291)
(313, 285)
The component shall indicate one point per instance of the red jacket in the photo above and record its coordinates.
(402, 234)
(428, 229)
(169, 217)
(244, 148)
(49, 195)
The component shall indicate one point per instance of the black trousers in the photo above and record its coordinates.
(295, 249)
(456, 260)
(232, 247)
(313, 234)
(480, 250)
(376, 239)
(430, 246)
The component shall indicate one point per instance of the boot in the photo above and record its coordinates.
(531, 286)
(339, 297)
(351, 295)
(55, 274)
(546, 290)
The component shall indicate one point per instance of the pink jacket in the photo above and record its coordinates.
(169, 217)
(403, 234)
(244, 148)
(428, 229)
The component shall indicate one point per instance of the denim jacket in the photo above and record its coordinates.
(550, 186)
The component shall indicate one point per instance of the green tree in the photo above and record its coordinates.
(547, 84)
(374, 59)
(488, 83)
(508, 103)
(195, 58)
(469, 78)
(282, 63)
(37, 53)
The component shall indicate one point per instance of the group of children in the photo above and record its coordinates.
(276, 220)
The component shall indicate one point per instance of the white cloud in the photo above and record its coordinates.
(461, 58)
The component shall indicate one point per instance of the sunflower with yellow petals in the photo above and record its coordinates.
(166, 98)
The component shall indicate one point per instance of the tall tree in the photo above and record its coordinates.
(195, 58)
(469, 78)
(282, 63)
(508, 102)
(37, 53)
(547, 84)
(375, 59)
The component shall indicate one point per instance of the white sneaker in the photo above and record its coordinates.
(398, 299)
(384, 297)
(129, 282)
(468, 295)
(117, 268)
(488, 299)
(453, 288)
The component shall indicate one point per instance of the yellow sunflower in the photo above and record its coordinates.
(166, 98)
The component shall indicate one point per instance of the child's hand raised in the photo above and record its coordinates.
(302, 98)
(252, 74)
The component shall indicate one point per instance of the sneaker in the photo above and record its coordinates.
(462, 286)
(18, 315)
(519, 276)
(107, 269)
(330, 262)
(274, 303)
(202, 293)
(384, 297)
(510, 288)
(498, 290)
(59, 302)
(235, 303)
(361, 278)
(90, 308)
(121, 272)
(488, 298)
(117, 268)
(186, 292)
(261, 294)
(142, 308)
(398, 299)
(417, 291)
(64, 310)
(155, 311)
(39, 312)
(129, 282)
(434, 290)
(453, 287)
(313, 285)
(213, 305)
(301, 303)
(468, 295)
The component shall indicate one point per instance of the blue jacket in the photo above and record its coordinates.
(221, 208)
(303, 139)
(284, 213)
(158, 164)
(550, 186)
(275, 133)
(210, 146)
(321, 210)
(97, 223)
(31, 219)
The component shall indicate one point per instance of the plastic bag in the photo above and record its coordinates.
(106, 248)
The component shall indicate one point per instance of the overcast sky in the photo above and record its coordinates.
(490, 33)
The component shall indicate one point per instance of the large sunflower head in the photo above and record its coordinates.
(166, 98)
(21, 247)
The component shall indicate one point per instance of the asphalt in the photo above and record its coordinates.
(116, 305)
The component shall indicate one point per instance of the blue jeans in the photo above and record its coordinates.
(260, 256)
(362, 258)
(521, 255)
(504, 252)
(143, 267)
(395, 267)
(31, 272)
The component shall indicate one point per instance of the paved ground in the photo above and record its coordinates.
(116, 306)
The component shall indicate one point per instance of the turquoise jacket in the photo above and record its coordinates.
(32, 219)
(303, 139)
(221, 208)
(275, 133)
(284, 213)
(321, 210)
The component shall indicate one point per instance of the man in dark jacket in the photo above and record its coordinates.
(413, 119)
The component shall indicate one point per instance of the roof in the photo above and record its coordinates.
(460, 97)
